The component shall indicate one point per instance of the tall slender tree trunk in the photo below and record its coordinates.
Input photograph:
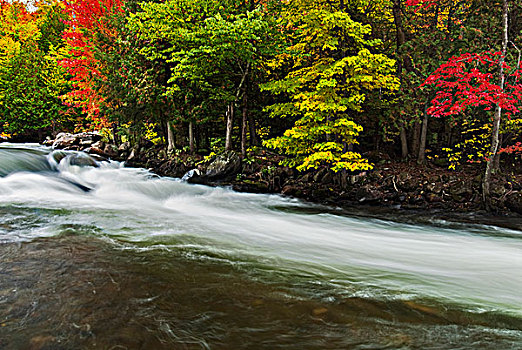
(116, 134)
(401, 39)
(421, 158)
(171, 140)
(486, 183)
(415, 142)
(230, 111)
(404, 142)
(496, 161)
(191, 137)
(230, 126)
(254, 139)
(244, 124)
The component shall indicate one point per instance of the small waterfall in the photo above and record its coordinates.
(17, 159)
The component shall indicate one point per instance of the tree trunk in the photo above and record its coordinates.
(415, 142)
(115, 134)
(421, 159)
(486, 183)
(242, 88)
(230, 126)
(171, 140)
(244, 126)
(404, 142)
(191, 137)
(401, 37)
(496, 162)
(254, 139)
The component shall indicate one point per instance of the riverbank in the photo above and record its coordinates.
(391, 185)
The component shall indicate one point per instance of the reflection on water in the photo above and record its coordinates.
(140, 262)
(74, 292)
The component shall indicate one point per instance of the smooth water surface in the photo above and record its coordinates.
(109, 257)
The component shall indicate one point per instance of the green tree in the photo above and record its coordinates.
(31, 82)
(214, 50)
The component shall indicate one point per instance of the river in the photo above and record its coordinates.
(109, 257)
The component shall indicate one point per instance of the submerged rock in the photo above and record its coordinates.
(190, 174)
(82, 160)
(57, 156)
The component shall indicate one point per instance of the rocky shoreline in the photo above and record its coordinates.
(390, 186)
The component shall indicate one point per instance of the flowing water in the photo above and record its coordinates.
(108, 257)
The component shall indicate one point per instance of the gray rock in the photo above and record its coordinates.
(74, 141)
(99, 145)
(65, 140)
(111, 150)
(224, 166)
(82, 160)
(124, 147)
(58, 156)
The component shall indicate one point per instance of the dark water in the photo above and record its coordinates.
(139, 262)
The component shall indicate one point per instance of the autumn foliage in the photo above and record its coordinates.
(88, 19)
(471, 80)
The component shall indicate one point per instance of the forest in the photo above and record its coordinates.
(332, 84)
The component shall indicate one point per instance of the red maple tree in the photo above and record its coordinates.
(468, 80)
(87, 20)
(471, 80)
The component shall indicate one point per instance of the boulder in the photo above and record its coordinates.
(461, 191)
(223, 167)
(111, 150)
(74, 141)
(99, 145)
(173, 168)
(57, 156)
(190, 174)
(251, 186)
(124, 147)
(95, 150)
(65, 140)
(290, 190)
(82, 160)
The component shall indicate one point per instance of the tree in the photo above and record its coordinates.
(333, 69)
(213, 49)
(89, 23)
(31, 82)
(467, 81)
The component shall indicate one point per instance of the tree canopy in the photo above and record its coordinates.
(327, 84)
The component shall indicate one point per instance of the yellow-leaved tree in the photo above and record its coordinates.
(333, 67)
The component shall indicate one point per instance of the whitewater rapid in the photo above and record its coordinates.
(477, 267)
